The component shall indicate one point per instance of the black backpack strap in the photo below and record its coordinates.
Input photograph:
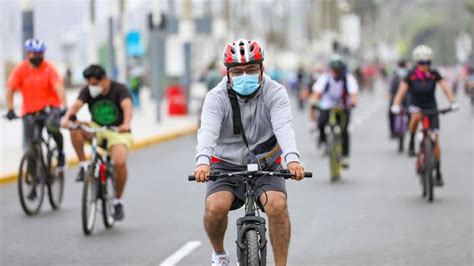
(236, 118)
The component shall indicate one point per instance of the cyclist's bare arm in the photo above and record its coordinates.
(61, 93)
(76, 106)
(401, 92)
(9, 98)
(126, 105)
(447, 91)
(354, 98)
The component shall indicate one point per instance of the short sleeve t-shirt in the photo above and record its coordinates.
(105, 109)
(37, 86)
(422, 87)
(334, 94)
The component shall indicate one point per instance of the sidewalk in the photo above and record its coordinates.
(146, 131)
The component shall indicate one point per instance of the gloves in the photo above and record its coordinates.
(454, 106)
(395, 109)
(11, 115)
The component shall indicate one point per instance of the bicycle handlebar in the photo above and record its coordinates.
(93, 130)
(436, 111)
(280, 173)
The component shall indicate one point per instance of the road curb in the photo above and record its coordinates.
(137, 145)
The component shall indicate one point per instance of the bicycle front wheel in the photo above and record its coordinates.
(334, 157)
(55, 180)
(89, 201)
(30, 186)
(252, 251)
(108, 209)
(429, 167)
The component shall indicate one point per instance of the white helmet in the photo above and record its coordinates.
(422, 53)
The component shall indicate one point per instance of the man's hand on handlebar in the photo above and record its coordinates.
(202, 173)
(123, 128)
(297, 170)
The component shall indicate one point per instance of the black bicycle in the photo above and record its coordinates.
(39, 168)
(426, 162)
(99, 183)
(251, 230)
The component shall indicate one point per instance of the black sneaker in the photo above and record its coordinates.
(411, 149)
(61, 160)
(119, 214)
(439, 179)
(81, 175)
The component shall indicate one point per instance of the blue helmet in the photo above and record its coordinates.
(35, 45)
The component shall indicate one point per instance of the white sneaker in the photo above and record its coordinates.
(220, 260)
(345, 162)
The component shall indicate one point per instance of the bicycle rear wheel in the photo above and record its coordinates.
(108, 209)
(252, 250)
(30, 186)
(89, 201)
(55, 180)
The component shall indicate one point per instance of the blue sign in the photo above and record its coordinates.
(133, 44)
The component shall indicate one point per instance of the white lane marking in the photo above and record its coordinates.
(181, 253)
(360, 119)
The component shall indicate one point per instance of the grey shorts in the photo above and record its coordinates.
(237, 187)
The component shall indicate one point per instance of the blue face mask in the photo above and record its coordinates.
(245, 84)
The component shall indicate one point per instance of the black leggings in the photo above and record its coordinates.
(322, 122)
(52, 126)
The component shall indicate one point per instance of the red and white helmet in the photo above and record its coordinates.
(243, 52)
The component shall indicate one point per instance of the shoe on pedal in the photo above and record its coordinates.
(345, 162)
(439, 180)
(61, 160)
(118, 213)
(81, 175)
(220, 260)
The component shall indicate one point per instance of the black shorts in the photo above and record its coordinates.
(237, 187)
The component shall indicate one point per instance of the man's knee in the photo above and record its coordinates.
(119, 155)
(277, 205)
(218, 205)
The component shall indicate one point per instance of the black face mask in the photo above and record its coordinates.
(36, 61)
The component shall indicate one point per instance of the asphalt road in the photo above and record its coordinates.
(374, 216)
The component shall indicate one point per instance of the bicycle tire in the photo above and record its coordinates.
(55, 181)
(334, 158)
(252, 250)
(107, 205)
(24, 179)
(89, 206)
(429, 167)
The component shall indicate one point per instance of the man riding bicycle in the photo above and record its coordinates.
(110, 104)
(43, 93)
(336, 88)
(421, 82)
(246, 119)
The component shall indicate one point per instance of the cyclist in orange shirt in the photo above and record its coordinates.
(43, 93)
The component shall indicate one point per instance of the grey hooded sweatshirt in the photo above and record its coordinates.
(268, 113)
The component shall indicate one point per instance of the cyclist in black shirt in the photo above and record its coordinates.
(421, 81)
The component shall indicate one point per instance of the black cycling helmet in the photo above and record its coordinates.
(336, 62)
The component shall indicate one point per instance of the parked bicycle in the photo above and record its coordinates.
(251, 230)
(99, 183)
(39, 168)
(426, 162)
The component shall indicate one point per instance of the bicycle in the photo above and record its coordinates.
(426, 162)
(39, 168)
(99, 182)
(333, 130)
(251, 230)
